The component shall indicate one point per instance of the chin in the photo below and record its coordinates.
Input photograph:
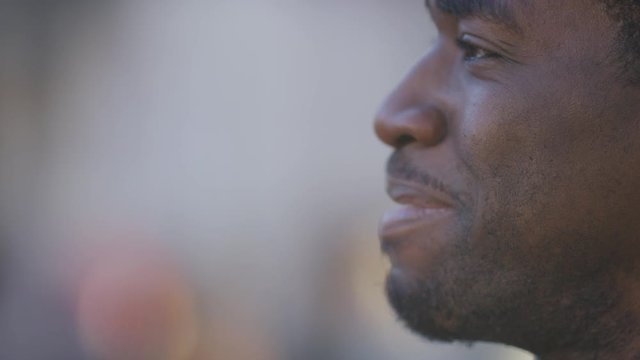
(457, 302)
(417, 305)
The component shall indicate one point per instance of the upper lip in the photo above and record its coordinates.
(408, 192)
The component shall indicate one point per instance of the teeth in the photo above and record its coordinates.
(404, 213)
(419, 202)
(407, 217)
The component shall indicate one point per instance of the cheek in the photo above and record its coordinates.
(531, 130)
(502, 135)
(540, 138)
(543, 170)
(517, 149)
(530, 119)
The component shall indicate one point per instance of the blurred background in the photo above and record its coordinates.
(199, 179)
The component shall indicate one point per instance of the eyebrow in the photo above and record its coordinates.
(499, 12)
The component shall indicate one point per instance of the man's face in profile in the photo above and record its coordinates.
(516, 161)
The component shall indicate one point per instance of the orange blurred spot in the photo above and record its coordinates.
(137, 306)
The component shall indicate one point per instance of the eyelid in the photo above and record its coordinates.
(489, 46)
(499, 53)
(469, 46)
(477, 42)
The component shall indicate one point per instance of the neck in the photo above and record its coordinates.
(615, 336)
(625, 347)
(610, 354)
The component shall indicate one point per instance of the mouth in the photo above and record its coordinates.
(420, 206)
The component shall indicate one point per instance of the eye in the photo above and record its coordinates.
(472, 53)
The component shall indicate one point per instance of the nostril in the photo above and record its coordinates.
(423, 124)
(403, 140)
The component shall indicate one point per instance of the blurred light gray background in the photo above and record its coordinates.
(235, 132)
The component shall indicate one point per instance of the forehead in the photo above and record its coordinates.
(502, 12)
(526, 17)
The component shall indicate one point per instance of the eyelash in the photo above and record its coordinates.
(472, 53)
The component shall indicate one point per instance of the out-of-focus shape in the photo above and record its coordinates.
(136, 304)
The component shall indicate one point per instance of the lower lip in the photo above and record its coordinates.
(404, 219)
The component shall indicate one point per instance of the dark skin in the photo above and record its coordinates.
(517, 164)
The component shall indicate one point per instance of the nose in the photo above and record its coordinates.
(412, 114)
(423, 124)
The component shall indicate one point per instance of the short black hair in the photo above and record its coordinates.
(626, 14)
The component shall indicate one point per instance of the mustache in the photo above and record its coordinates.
(399, 166)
